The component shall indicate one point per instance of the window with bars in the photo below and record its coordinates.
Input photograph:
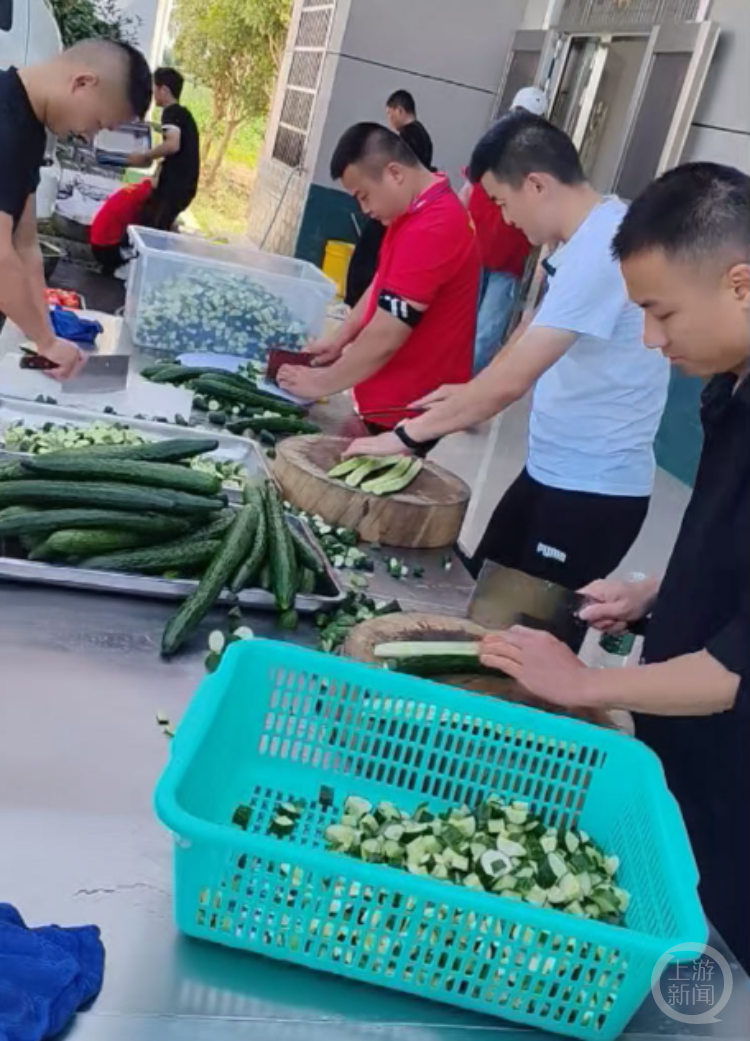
(302, 81)
(624, 14)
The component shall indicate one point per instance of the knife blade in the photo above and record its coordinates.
(504, 597)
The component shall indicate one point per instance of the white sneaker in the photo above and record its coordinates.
(122, 273)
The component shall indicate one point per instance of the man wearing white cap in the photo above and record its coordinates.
(503, 250)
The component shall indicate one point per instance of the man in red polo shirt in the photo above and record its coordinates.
(413, 329)
(503, 250)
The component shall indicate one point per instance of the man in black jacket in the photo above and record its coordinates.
(684, 247)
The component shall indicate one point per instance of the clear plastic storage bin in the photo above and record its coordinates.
(188, 294)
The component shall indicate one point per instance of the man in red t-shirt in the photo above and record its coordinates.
(108, 232)
(503, 250)
(413, 329)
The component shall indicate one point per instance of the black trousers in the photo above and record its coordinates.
(166, 206)
(364, 262)
(109, 258)
(566, 537)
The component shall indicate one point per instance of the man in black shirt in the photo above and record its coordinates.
(401, 112)
(94, 85)
(685, 252)
(179, 173)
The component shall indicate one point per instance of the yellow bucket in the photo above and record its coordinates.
(336, 262)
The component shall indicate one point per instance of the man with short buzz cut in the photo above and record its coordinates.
(414, 327)
(578, 505)
(401, 112)
(684, 247)
(179, 152)
(94, 85)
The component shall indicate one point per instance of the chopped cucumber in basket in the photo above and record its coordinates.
(498, 847)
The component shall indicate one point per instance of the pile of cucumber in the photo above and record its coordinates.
(140, 509)
(58, 437)
(377, 475)
(259, 548)
(498, 847)
(234, 401)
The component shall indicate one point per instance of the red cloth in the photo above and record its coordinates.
(118, 212)
(501, 246)
(429, 256)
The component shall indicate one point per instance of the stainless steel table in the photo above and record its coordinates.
(79, 755)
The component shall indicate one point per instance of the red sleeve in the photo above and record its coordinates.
(426, 259)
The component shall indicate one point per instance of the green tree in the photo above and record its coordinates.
(89, 19)
(234, 48)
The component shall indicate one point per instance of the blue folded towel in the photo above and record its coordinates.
(46, 975)
(69, 326)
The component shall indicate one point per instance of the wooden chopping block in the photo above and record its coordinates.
(362, 640)
(426, 515)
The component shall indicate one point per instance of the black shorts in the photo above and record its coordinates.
(566, 537)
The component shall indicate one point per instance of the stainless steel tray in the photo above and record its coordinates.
(32, 413)
(14, 569)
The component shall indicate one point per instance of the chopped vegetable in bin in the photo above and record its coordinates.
(226, 313)
(497, 847)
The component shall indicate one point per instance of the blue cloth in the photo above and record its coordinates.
(46, 975)
(68, 326)
(497, 298)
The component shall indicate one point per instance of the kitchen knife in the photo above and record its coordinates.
(277, 357)
(504, 597)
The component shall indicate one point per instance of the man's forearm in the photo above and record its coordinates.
(21, 297)
(691, 685)
(362, 359)
(33, 263)
(479, 400)
(354, 322)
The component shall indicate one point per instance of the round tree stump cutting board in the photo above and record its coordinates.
(426, 515)
(365, 637)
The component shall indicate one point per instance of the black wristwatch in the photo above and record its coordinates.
(418, 448)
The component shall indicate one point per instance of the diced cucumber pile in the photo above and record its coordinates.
(334, 628)
(498, 847)
(218, 312)
(339, 544)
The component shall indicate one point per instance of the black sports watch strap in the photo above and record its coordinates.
(418, 448)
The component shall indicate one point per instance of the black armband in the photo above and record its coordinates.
(418, 448)
(395, 305)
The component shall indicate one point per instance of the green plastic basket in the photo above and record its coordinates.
(277, 723)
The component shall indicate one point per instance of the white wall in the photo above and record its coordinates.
(450, 55)
(154, 18)
(721, 129)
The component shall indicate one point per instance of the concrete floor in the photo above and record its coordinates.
(491, 456)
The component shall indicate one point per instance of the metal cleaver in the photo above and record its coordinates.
(504, 597)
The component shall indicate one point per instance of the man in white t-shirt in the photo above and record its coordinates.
(598, 394)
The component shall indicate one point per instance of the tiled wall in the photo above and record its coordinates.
(276, 205)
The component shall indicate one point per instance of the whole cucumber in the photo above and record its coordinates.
(29, 521)
(129, 497)
(230, 554)
(138, 471)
